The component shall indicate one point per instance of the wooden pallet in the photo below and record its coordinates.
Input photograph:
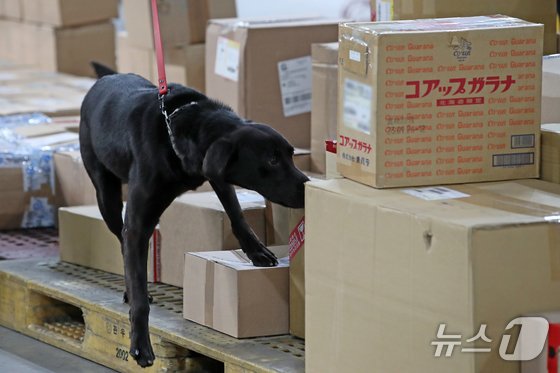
(80, 310)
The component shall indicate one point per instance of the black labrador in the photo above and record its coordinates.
(124, 137)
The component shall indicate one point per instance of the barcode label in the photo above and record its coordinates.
(522, 141)
(298, 98)
(295, 85)
(519, 159)
(435, 193)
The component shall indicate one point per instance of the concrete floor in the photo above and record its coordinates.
(21, 354)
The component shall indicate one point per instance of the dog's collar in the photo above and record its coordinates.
(168, 119)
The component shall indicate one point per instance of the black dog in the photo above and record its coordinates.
(124, 137)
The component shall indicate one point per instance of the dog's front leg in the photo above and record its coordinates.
(143, 209)
(250, 243)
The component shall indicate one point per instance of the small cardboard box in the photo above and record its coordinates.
(182, 22)
(550, 89)
(449, 100)
(537, 11)
(85, 240)
(27, 197)
(262, 69)
(69, 12)
(550, 152)
(395, 264)
(198, 222)
(224, 291)
(69, 49)
(324, 59)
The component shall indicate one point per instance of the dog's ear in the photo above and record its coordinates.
(216, 159)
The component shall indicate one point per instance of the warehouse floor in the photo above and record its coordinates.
(19, 353)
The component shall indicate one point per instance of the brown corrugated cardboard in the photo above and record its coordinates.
(395, 264)
(11, 41)
(68, 50)
(439, 101)
(538, 11)
(182, 22)
(185, 66)
(324, 104)
(68, 12)
(198, 222)
(550, 152)
(73, 186)
(550, 89)
(131, 59)
(11, 9)
(296, 243)
(224, 291)
(84, 239)
(262, 69)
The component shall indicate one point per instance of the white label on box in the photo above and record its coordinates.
(435, 193)
(384, 10)
(250, 197)
(227, 58)
(295, 85)
(355, 56)
(357, 105)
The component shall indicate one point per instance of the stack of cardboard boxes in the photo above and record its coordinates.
(183, 31)
(391, 274)
(58, 35)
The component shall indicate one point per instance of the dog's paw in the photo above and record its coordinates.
(263, 257)
(142, 353)
(125, 298)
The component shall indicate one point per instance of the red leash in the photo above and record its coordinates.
(162, 80)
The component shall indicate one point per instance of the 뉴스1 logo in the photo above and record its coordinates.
(461, 48)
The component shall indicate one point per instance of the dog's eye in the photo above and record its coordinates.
(273, 161)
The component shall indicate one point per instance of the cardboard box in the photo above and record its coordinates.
(439, 101)
(69, 12)
(84, 239)
(539, 11)
(183, 65)
(396, 264)
(550, 152)
(198, 222)
(73, 186)
(262, 69)
(182, 22)
(11, 9)
(224, 291)
(11, 41)
(26, 181)
(550, 89)
(324, 58)
(68, 50)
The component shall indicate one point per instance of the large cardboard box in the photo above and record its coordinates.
(550, 152)
(262, 69)
(73, 187)
(538, 11)
(70, 49)
(69, 12)
(137, 60)
(84, 239)
(324, 58)
(396, 264)
(224, 291)
(198, 222)
(550, 89)
(182, 22)
(439, 101)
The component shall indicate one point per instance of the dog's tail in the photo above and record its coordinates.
(102, 70)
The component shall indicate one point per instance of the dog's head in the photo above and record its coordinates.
(257, 157)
